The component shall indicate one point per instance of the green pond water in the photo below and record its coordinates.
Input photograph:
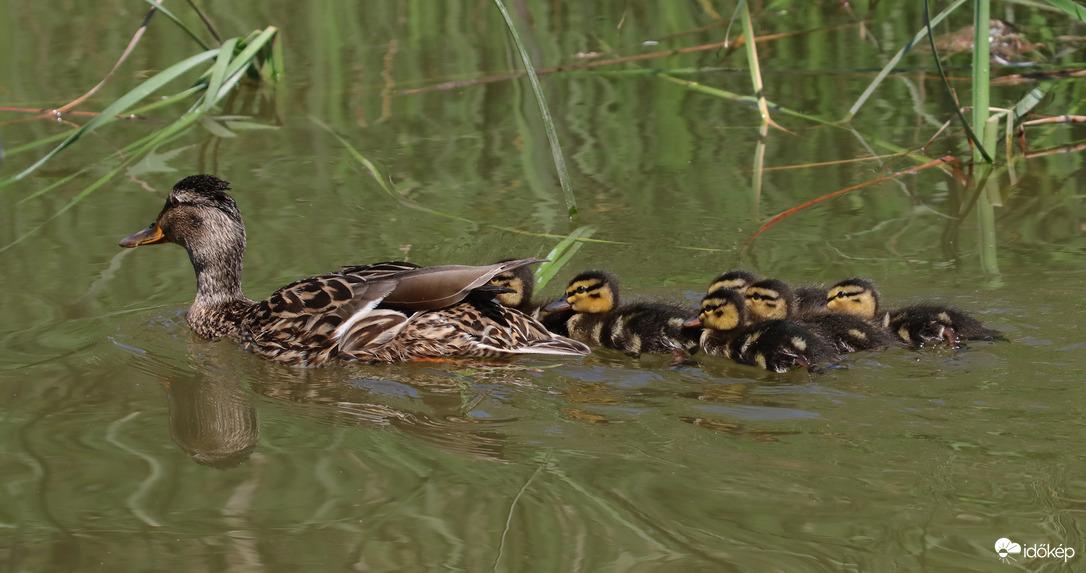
(128, 444)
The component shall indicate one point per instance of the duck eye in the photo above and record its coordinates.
(582, 289)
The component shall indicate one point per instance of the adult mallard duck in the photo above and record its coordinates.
(773, 299)
(777, 345)
(636, 327)
(916, 325)
(389, 312)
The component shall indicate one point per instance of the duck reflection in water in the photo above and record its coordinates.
(212, 419)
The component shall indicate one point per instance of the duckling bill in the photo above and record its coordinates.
(388, 312)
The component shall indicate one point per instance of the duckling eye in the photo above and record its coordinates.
(582, 289)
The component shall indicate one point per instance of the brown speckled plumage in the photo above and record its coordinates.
(391, 311)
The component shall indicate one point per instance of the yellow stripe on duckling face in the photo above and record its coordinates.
(853, 297)
(766, 304)
(509, 281)
(718, 314)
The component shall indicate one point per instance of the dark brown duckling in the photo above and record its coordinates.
(774, 299)
(915, 325)
(635, 327)
(776, 345)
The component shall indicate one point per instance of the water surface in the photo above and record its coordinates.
(129, 444)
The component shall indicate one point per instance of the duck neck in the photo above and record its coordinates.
(219, 303)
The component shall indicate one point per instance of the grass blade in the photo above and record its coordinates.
(129, 99)
(218, 72)
(173, 18)
(982, 62)
(889, 67)
(1073, 9)
(552, 135)
(561, 254)
(950, 93)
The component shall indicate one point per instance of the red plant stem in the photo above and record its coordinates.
(797, 208)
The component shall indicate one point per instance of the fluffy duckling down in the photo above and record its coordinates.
(915, 325)
(777, 345)
(600, 319)
(774, 299)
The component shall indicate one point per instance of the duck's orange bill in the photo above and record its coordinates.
(150, 236)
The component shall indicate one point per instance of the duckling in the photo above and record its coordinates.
(774, 299)
(777, 345)
(520, 285)
(810, 299)
(735, 279)
(636, 327)
(916, 325)
(385, 312)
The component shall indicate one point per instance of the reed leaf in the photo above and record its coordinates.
(1072, 9)
(561, 254)
(126, 101)
(889, 67)
(946, 85)
(548, 123)
(218, 72)
(982, 62)
(157, 4)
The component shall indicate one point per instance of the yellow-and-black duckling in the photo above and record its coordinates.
(520, 283)
(388, 312)
(773, 299)
(809, 298)
(777, 345)
(915, 325)
(636, 327)
(735, 279)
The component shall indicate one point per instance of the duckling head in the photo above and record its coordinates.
(854, 296)
(520, 281)
(591, 292)
(723, 309)
(734, 279)
(769, 299)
